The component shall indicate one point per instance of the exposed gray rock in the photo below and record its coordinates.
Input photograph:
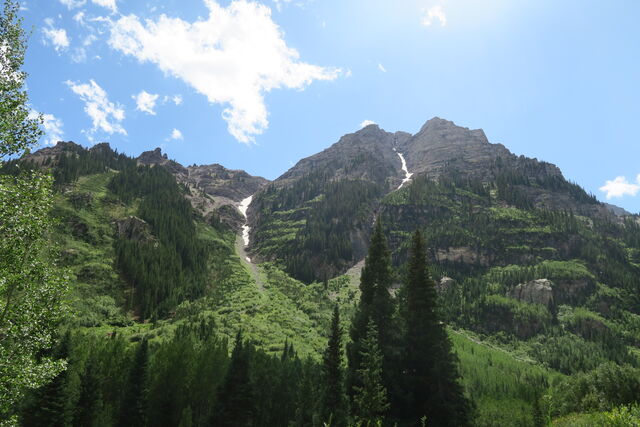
(210, 187)
(539, 291)
(52, 153)
(463, 254)
(365, 155)
(617, 210)
(133, 228)
(156, 158)
(218, 181)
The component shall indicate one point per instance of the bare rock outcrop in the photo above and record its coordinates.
(539, 291)
(134, 228)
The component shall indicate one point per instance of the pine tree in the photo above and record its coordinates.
(90, 401)
(430, 378)
(333, 404)
(371, 397)
(375, 304)
(134, 405)
(235, 395)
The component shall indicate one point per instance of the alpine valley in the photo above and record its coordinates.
(172, 267)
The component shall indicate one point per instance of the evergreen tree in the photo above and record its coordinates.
(90, 402)
(430, 367)
(134, 405)
(376, 305)
(235, 395)
(370, 400)
(333, 404)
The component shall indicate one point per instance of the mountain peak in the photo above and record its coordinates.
(447, 127)
(152, 157)
(372, 129)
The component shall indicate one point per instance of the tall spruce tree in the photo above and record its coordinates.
(370, 398)
(333, 404)
(375, 304)
(430, 367)
(134, 405)
(90, 401)
(235, 395)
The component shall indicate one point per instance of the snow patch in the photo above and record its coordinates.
(244, 205)
(407, 174)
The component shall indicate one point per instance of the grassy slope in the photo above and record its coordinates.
(286, 309)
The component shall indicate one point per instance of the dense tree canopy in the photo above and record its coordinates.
(31, 288)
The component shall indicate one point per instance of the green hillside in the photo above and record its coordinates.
(146, 268)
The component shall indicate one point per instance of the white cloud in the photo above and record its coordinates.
(435, 13)
(176, 135)
(621, 187)
(105, 115)
(88, 41)
(72, 4)
(366, 123)
(56, 36)
(233, 58)
(381, 68)
(177, 99)
(146, 102)
(79, 54)
(79, 18)
(52, 127)
(109, 4)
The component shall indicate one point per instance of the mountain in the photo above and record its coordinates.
(537, 280)
(213, 190)
(317, 216)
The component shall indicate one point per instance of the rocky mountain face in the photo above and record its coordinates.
(453, 168)
(317, 217)
(366, 155)
(213, 189)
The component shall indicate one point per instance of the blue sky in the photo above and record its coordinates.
(259, 85)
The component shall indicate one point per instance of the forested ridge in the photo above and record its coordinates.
(148, 319)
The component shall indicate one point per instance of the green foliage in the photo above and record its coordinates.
(293, 225)
(167, 269)
(602, 389)
(375, 305)
(501, 384)
(18, 129)
(497, 313)
(134, 407)
(569, 354)
(333, 407)
(370, 398)
(622, 416)
(31, 287)
(235, 396)
(430, 371)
